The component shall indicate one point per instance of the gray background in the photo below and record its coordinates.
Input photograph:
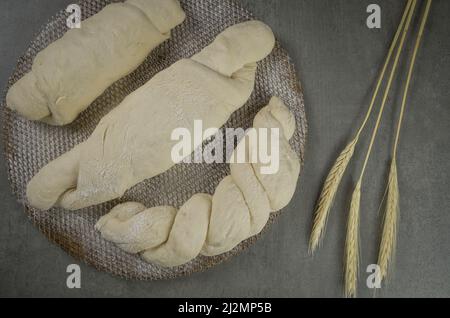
(337, 58)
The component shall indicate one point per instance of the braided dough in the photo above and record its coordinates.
(205, 224)
(73, 71)
(133, 142)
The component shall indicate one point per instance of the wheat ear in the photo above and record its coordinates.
(328, 193)
(352, 247)
(351, 256)
(391, 217)
(334, 177)
(389, 236)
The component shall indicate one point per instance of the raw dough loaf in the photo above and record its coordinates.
(239, 208)
(133, 142)
(69, 74)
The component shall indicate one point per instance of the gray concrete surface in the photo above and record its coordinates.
(337, 58)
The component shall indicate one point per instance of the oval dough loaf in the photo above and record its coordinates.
(69, 74)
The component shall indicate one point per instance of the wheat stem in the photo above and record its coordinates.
(388, 88)
(383, 72)
(334, 177)
(411, 71)
(391, 217)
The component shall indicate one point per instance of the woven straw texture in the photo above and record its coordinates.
(30, 145)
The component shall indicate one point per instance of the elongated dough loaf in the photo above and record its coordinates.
(211, 225)
(133, 142)
(69, 74)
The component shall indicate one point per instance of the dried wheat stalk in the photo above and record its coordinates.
(334, 177)
(391, 217)
(352, 248)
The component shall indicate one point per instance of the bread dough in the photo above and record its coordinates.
(187, 234)
(256, 199)
(135, 228)
(69, 74)
(133, 142)
(239, 208)
(279, 187)
(230, 219)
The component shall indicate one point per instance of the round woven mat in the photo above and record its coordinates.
(30, 145)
